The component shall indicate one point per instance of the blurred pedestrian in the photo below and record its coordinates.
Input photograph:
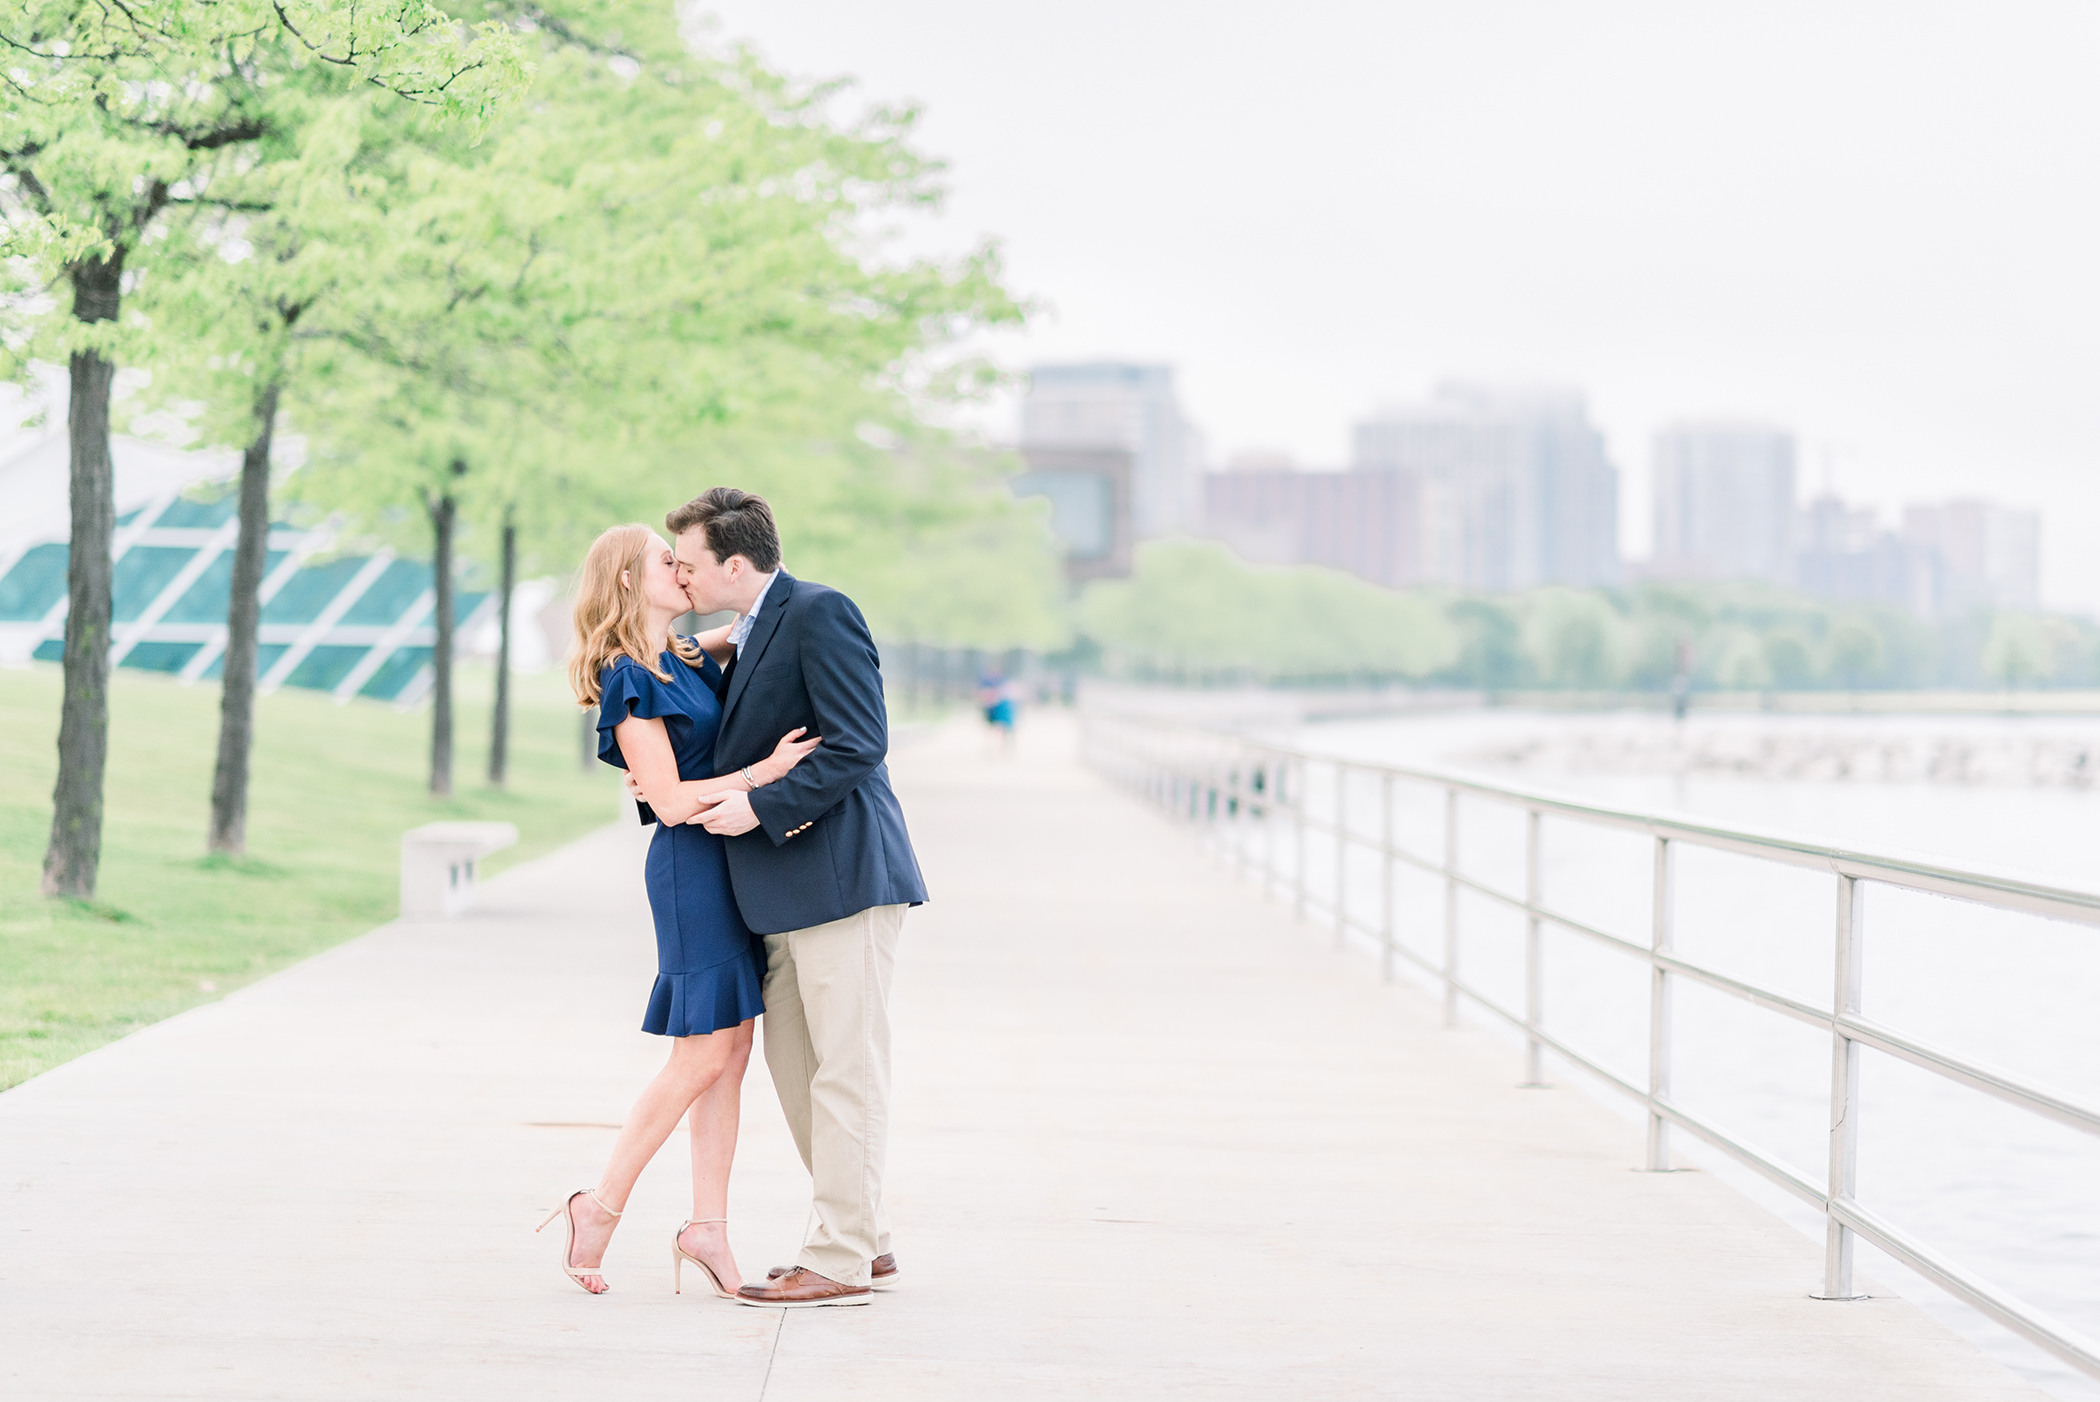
(995, 695)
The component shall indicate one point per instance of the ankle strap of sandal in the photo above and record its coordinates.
(592, 1194)
(703, 1221)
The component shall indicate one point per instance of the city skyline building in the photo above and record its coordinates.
(1088, 490)
(1946, 558)
(1500, 487)
(1514, 486)
(1723, 502)
(1988, 555)
(1844, 553)
(1123, 406)
(1365, 522)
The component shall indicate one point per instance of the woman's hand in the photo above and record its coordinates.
(786, 755)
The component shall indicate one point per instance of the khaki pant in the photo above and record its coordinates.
(827, 1030)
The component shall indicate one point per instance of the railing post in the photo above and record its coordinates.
(1385, 876)
(1534, 970)
(1844, 1090)
(1243, 860)
(1298, 827)
(1659, 998)
(1341, 854)
(1450, 907)
(1269, 782)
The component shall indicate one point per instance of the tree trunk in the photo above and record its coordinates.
(444, 513)
(74, 856)
(229, 780)
(499, 722)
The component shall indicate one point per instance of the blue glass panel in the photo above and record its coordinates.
(194, 515)
(49, 650)
(128, 517)
(306, 593)
(205, 601)
(161, 657)
(37, 581)
(266, 655)
(464, 604)
(142, 572)
(399, 585)
(395, 673)
(322, 668)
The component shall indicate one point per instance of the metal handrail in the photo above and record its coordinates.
(1215, 776)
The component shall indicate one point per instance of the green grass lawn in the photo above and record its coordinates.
(334, 787)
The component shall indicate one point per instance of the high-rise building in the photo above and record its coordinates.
(1512, 486)
(1088, 490)
(1724, 502)
(1842, 552)
(1127, 407)
(1366, 522)
(1988, 556)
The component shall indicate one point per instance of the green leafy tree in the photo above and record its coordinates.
(656, 278)
(240, 304)
(1740, 662)
(2021, 650)
(1196, 611)
(113, 116)
(1572, 638)
(1790, 658)
(1857, 655)
(1491, 645)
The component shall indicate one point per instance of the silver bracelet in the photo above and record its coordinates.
(753, 783)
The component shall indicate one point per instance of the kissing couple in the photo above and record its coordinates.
(778, 877)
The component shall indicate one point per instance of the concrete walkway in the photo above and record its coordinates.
(1152, 1140)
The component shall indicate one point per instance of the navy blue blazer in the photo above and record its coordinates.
(830, 841)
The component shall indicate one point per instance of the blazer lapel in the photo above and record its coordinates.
(762, 630)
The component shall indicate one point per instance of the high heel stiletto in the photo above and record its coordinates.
(577, 1273)
(679, 1256)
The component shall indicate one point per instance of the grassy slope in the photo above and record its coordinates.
(334, 788)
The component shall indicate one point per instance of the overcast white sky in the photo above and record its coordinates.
(1875, 222)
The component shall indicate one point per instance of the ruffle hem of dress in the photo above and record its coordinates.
(692, 1004)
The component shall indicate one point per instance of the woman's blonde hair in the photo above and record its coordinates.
(612, 619)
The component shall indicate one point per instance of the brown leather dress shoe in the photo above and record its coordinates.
(802, 1289)
(882, 1271)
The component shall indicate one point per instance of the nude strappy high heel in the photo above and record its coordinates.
(577, 1273)
(679, 1256)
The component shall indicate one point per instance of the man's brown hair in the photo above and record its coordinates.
(732, 523)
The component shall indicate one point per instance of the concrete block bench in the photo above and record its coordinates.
(437, 865)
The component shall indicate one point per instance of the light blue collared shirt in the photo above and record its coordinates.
(741, 629)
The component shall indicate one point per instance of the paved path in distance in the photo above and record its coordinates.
(1153, 1139)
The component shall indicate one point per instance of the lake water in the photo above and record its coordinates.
(2003, 1192)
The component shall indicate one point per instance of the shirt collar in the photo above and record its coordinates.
(741, 629)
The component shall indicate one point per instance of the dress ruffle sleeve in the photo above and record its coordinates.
(627, 689)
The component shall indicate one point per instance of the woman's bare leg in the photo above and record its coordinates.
(695, 1064)
(713, 1123)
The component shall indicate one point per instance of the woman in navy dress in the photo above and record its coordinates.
(657, 716)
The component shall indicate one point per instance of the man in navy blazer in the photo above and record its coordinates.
(822, 868)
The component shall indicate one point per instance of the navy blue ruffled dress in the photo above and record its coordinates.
(709, 965)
